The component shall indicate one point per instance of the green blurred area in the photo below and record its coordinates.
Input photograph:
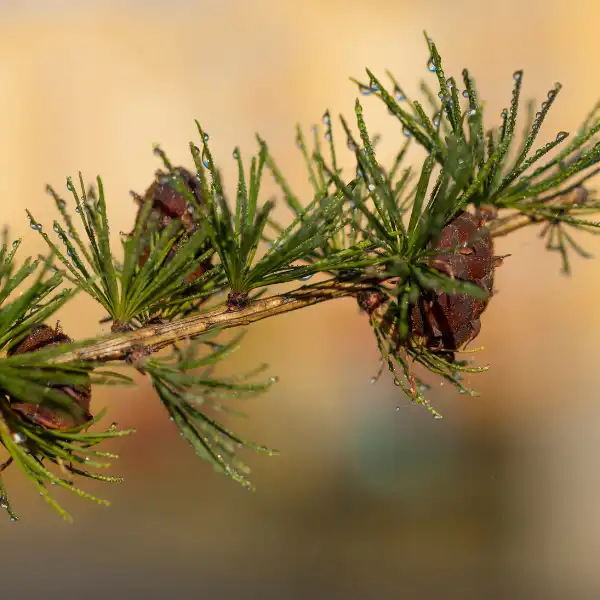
(371, 498)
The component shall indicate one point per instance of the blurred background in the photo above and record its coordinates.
(371, 497)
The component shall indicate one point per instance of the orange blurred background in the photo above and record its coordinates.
(497, 500)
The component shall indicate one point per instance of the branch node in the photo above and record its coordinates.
(121, 327)
(237, 301)
(136, 357)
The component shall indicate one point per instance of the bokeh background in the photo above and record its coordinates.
(371, 498)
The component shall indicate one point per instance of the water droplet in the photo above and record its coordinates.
(373, 86)
(431, 65)
(445, 98)
(205, 159)
(472, 112)
(398, 94)
(437, 416)
(307, 277)
(18, 438)
(328, 136)
(504, 114)
(371, 187)
(36, 226)
(406, 131)
(373, 380)
(396, 383)
(465, 93)
(449, 84)
(437, 120)
(397, 408)
(13, 520)
(276, 245)
(326, 119)
(351, 145)
(69, 186)
(77, 210)
(561, 135)
(236, 154)
(57, 228)
(364, 90)
(273, 379)
(544, 105)
(205, 137)
(517, 75)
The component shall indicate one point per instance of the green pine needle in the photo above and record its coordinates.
(128, 291)
(190, 397)
(376, 225)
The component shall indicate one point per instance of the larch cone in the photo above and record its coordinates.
(46, 414)
(446, 322)
(465, 251)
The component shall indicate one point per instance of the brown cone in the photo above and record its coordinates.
(466, 252)
(169, 205)
(47, 414)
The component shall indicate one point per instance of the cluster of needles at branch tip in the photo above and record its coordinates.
(414, 247)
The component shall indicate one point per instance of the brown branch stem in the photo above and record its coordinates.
(510, 224)
(154, 337)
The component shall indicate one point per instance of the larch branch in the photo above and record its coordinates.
(154, 337)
